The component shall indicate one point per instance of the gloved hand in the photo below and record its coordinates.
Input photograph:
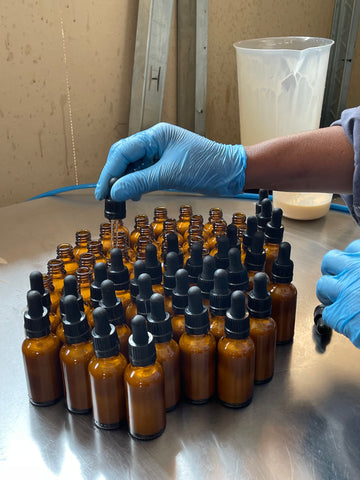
(339, 290)
(184, 160)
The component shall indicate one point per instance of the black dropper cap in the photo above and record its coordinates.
(114, 210)
(172, 245)
(265, 214)
(220, 294)
(145, 292)
(222, 255)
(255, 255)
(274, 231)
(283, 267)
(159, 321)
(71, 288)
(259, 299)
(76, 327)
(117, 271)
(100, 274)
(111, 303)
(171, 267)
(152, 264)
(237, 275)
(206, 277)
(251, 228)
(180, 292)
(262, 194)
(237, 321)
(36, 317)
(232, 235)
(139, 268)
(142, 350)
(37, 283)
(196, 315)
(320, 325)
(105, 338)
(194, 262)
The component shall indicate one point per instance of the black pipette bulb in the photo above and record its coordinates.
(265, 214)
(171, 267)
(117, 271)
(237, 275)
(71, 288)
(76, 327)
(100, 274)
(142, 350)
(114, 210)
(259, 299)
(232, 235)
(152, 264)
(159, 321)
(220, 294)
(237, 321)
(180, 292)
(222, 255)
(194, 262)
(255, 255)
(139, 268)
(105, 339)
(251, 229)
(282, 270)
(196, 314)
(37, 283)
(274, 230)
(145, 292)
(111, 303)
(262, 194)
(206, 277)
(36, 317)
(172, 245)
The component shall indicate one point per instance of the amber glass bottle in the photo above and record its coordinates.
(237, 275)
(239, 220)
(219, 228)
(70, 288)
(141, 245)
(264, 217)
(40, 352)
(119, 274)
(219, 302)
(171, 267)
(184, 219)
(170, 226)
(248, 236)
(37, 283)
(57, 272)
(179, 302)
(84, 277)
(106, 371)
(194, 263)
(255, 257)
(131, 309)
(128, 255)
(75, 356)
(236, 356)
(105, 237)
(87, 260)
(54, 296)
(283, 295)
(65, 252)
(197, 351)
(100, 274)
(196, 223)
(144, 385)
(160, 215)
(273, 236)
(221, 252)
(262, 329)
(95, 247)
(167, 350)
(116, 314)
(134, 235)
(82, 238)
(215, 214)
(206, 278)
(153, 268)
(192, 240)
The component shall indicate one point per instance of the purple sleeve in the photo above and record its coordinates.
(350, 121)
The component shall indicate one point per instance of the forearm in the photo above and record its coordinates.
(315, 161)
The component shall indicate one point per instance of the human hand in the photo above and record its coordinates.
(178, 159)
(338, 289)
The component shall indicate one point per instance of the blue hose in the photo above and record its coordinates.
(242, 196)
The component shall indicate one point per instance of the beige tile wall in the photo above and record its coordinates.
(38, 141)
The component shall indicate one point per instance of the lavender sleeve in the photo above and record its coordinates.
(350, 121)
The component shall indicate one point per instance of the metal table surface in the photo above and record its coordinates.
(304, 424)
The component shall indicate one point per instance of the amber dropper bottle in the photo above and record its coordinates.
(219, 302)
(239, 221)
(54, 296)
(236, 356)
(153, 268)
(262, 329)
(95, 247)
(144, 385)
(119, 274)
(75, 356)
(82, 238)
(65, 252)
(143, 297)
(131, 309)
(106, 371)
(264, 217)
(248, 236)
(114, 212)
(219, 228)
(57, 272)
(283, 295)
(134, 235)
(194, 263)
(40, 352)
(116, 314)
(87, 259)
(160, 215)
(84, 277)
(100, 274)
(237, 275)
(184, 219)
(273, 236)
(171, 267)
(179, 302)
(221, 253)
(105, 237)
(255, 257)
(197, 351)
(37, 283)
(167, 350)
(215, 214)
(206, 278)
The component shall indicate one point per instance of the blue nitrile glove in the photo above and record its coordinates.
(184, 160)
(339, 290)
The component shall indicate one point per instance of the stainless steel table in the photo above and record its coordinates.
(304, 424)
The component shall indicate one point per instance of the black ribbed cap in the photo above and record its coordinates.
(114, 210)
(265, 214)
(117, 271)
(36, 317)
(71, 288)
(232, 235)
(237, 274)
(111, 303)
(321, 326)
(283, 267)
(159, 321)
(172, 245)
(222, 255)
(100, 274)
(194, 262)
(259, 299)
(152, 264)
(274, 231)
(255, 255)
(251, 228)
(76, 327)
(105, 338)
(196, 315)
(37, 283)
(237, 320)
(220, 294)
(172, 265)
(262, 194)
(142, 350)
(180, 292)
(206, 277)
(145, 292)
(139, 268)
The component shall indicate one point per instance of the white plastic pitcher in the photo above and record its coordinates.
(281, 83)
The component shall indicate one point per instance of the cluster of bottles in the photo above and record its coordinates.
(125, 324)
